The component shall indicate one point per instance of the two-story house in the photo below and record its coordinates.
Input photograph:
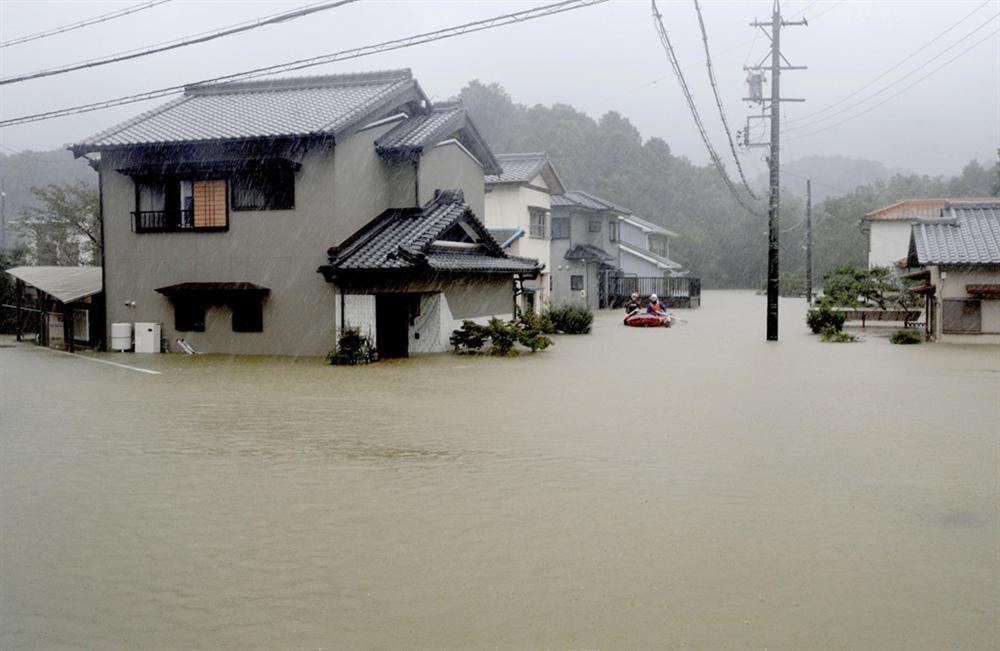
(585, 234)
(645, 248)
(220, 206)
(518, 209)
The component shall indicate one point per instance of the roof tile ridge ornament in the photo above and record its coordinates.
(448, 196)
(299, 83)
(971, 204)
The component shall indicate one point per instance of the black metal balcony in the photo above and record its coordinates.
(170, 221)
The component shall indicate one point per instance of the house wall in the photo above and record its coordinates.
(280, 249)
(632, 265)
(563, 269)
(952, 286)
(633, 235)
(888, 241)
(448, 166)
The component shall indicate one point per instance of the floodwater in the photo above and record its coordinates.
(687, 488)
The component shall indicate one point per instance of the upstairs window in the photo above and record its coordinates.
(180, 204)
(538, 219)
(576, 283)
(595, 225)
(613, 230)
(264, 190)
(560, 228)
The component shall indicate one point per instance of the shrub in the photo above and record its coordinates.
(571, 319)
(471, 338)
(353, 348)
(822, 316)
(905, 336)
(831, 334)
(540, 322)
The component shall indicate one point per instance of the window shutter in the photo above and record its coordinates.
(210, 204)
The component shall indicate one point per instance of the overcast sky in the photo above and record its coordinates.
(606, 57)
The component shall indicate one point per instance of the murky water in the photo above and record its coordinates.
(685, 488)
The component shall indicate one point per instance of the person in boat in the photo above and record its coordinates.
(654, 306)
(633, 305)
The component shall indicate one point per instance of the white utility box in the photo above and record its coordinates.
(147, 337)
(121, 337)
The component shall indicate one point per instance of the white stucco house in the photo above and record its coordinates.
(518, 211)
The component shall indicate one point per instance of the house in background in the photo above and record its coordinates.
(645, 248)
(219, 208)
(519, 201)
(889, 228)
(585, 233)
(959, 257)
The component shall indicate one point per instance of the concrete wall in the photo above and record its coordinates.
(563, 269)
(450, 166)
(952, 286)
(633, 235)
(633, 265)
(888, 241)
(278, 249)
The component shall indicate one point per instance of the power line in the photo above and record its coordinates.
(83, 23)
(669, 48)
(718, 102)
(354, 53)
(894, 67)
(182, 42)
(901, 91)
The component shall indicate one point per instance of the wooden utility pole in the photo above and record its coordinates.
(755, 95)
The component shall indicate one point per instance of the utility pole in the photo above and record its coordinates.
(756, 95)
(3, 215)
(809, 243)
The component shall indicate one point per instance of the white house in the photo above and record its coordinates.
(888, 228)
(518, 211)
(959, 253)
(645, 248)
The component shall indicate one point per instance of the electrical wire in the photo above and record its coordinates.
(718, 102)
(179, 43)
(669, 48)
(83, 23)
(354, 53)
(898, 93)
(894, 67)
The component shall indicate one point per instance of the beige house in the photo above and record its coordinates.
(219, 209)
(959, 256)
(519, 209)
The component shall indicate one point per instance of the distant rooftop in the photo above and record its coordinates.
(320, 106)
(524, 168)
(647, 226)
(915, 209)
(581, 199)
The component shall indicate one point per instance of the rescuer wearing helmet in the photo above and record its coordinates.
(654, 306)
(634, 304)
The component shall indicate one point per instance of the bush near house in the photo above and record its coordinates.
(905, 336)
(570, 319)
(831, 334)
(503, 337)
(880, 287)
(822, 316)
(353, 348)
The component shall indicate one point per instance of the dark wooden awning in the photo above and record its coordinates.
(923, 274)
(927, 290)
(214, 288)
(983, 291)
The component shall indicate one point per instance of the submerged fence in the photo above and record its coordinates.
(674, 292)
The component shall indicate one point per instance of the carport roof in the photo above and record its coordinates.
(65, 284)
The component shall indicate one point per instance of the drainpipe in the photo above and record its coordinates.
(101, 344)
(416, 181)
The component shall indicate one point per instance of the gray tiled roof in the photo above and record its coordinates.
(967, 234)
(403, 239)
(666, 263)
(588, 253)
(294, 107)
(523, 168)
(581, 199)
(424, 130)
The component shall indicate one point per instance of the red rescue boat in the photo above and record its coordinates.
(644, 320)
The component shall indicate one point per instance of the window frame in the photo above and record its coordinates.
(533, 213)
(594, 226)
(270, 203)
(576, 283)
(613, 229)
(969, 309)
(190, 314)
(247, 315)
(172, 218)
(556, 233)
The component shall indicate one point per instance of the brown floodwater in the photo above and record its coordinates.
(694, 487)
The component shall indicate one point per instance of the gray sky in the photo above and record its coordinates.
(597, 59)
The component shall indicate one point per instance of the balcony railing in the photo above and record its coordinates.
(170, 221)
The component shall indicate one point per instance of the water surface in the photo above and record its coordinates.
(687, 488)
